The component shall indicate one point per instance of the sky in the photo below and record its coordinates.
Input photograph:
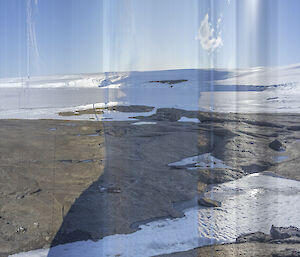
(43, 37)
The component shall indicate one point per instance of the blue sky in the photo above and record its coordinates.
(42, 37)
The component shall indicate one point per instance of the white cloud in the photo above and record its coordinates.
(206, 36)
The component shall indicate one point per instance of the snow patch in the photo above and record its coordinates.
(202, 161)
(186, 119)
(143, 123)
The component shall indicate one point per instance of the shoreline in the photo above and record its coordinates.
(242, 249)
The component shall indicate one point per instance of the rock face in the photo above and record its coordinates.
(277, 145)
(284, 232)
(208, 202)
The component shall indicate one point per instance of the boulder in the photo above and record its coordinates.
(208, 202)
(277, 145)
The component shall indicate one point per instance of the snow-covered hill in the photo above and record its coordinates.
(254, 90)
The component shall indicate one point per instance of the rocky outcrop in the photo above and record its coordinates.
(278, 235)
(284, 232)
(253, 237)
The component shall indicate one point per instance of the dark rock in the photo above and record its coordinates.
(113, 190)
(170, 82)
(253, 237)
(208, 202)
(284, 232)
(277, 145)
(130, 108)
(35, 191)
